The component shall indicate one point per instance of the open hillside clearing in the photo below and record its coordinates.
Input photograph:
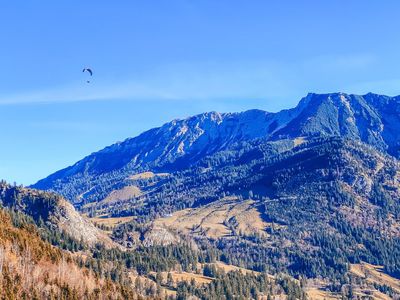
(146, 175)
(374, 274)
(218, 219)
(110, 222)
(123, 194)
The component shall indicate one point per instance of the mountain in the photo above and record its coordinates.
(311, 192)
(371, 118)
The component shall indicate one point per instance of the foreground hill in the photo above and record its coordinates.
(31, 268)
(51, 212)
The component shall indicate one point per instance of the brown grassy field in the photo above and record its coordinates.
(110, 222)
(374, 274)
(228, 268)
(184, 276)
(146, 175)
(126, 193)
(316, 294)
(298, 141)
(211, 219)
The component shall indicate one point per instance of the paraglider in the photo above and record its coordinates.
(89, 71)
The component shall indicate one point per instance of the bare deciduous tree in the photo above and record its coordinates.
(2, 256)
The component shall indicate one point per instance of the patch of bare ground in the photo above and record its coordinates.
(318, 294)
(298, 141)
(185, 276)
(146, 175)
(316, 290)
(110, 222)
(124, 194)
(228, 268)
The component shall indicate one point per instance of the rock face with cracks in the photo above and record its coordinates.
(54, 211)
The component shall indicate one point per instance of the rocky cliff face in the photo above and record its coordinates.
(53, 211)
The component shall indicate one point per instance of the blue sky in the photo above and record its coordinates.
(154, 61)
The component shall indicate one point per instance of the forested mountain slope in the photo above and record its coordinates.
(373, 119)
(32, 268)
(314, 210)
(333, 189)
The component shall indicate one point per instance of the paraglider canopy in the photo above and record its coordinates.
(88, 70)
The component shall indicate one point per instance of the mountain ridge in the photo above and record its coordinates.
(182, 142)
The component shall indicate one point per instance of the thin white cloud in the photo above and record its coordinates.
(205, 80)
(79, 92)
